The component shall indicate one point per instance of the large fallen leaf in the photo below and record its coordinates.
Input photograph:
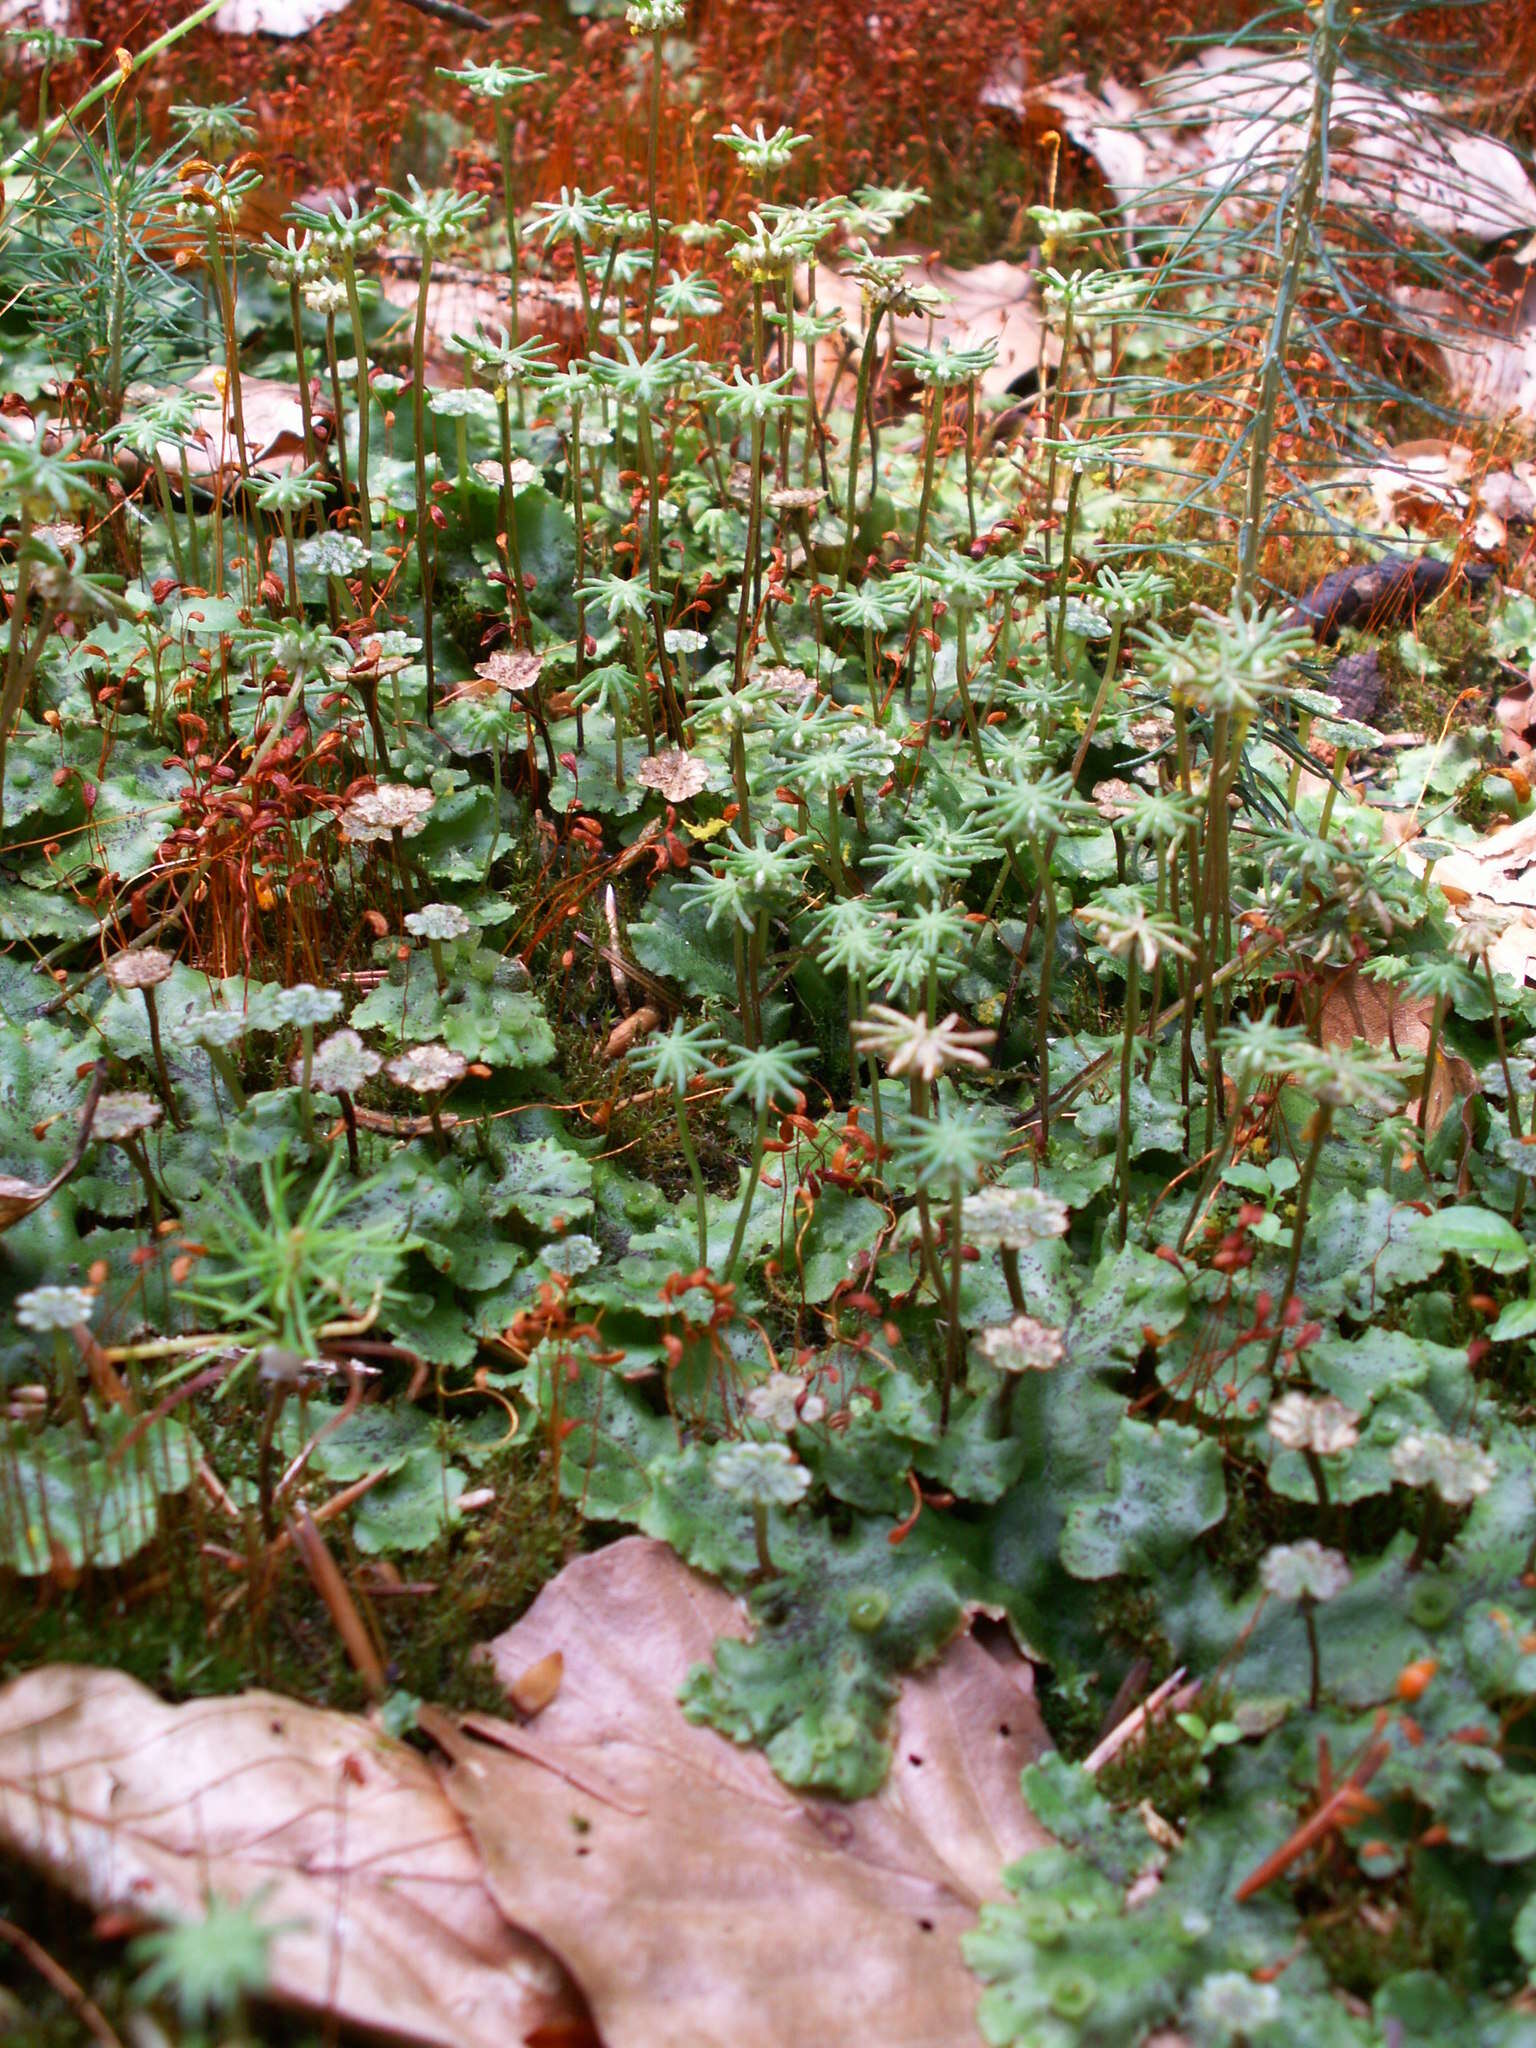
(1235, 121)
(695, 1900)
(282, 18)
(1488, 361)
(459, 301)
(1131, 157)
(1358, 1007)
(1437, 487)
(1494, 877)
(358, 1860)
(274, 430)
(997, 302)
(1387, 153)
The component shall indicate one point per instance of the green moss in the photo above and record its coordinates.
(180, 1622)
(1165, 1767)
(1426, 666)
(1367, 1933)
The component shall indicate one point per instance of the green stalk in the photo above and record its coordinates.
(490, 851)
(163, 485)
(930, 459)
(285, 517)
(953, 1334)
(1431, 1054)
(578, 514)
(194, 544)
(860, 401)
(1068, 525)
(1306, 186)
(1127, 1051)
(588, 313)
(306, 1078)
(423, 523)
(754, 1173)
(514, 242)
(749, 563)
(1309, 1623)
(333, 366)
(1323, 1125)
(296, 317)
(172, 1107)
(653, 144)
(225, 289)
(1058, 410)
(637, 662)
(1043, 1002)
(364, 407)
(970, 457)
(685, 1140)
(962, 684)
(224, 1067)
(522, 624)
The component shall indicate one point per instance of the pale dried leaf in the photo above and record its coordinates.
(994, 302)
(463, 300)
(1388, 152)
(1489, 365)
(140, 1807)
(1104, 126)
(1356, 1006)
(1236, 118)
(274, 431)
(723, 1907)
(282, 18)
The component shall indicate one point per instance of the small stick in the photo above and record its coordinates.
(1337, 1811)
(1134, 1723)
(90, 2015)
(332, 1588)
(216, 1491)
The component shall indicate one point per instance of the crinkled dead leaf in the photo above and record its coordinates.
(694, 1898)
(1358, 1007)
(460, 300)
(274, 430)
(1237, 116)
(285, 19)
(384, 1917)
(994, 302)
(1495, 876)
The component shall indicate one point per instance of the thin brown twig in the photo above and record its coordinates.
(334, 1591)
(85, 2010)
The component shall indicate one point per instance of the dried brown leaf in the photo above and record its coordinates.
(994, 302)
(726, 1908)
(459, 301)
(1358, 1007)
(140, 1807)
